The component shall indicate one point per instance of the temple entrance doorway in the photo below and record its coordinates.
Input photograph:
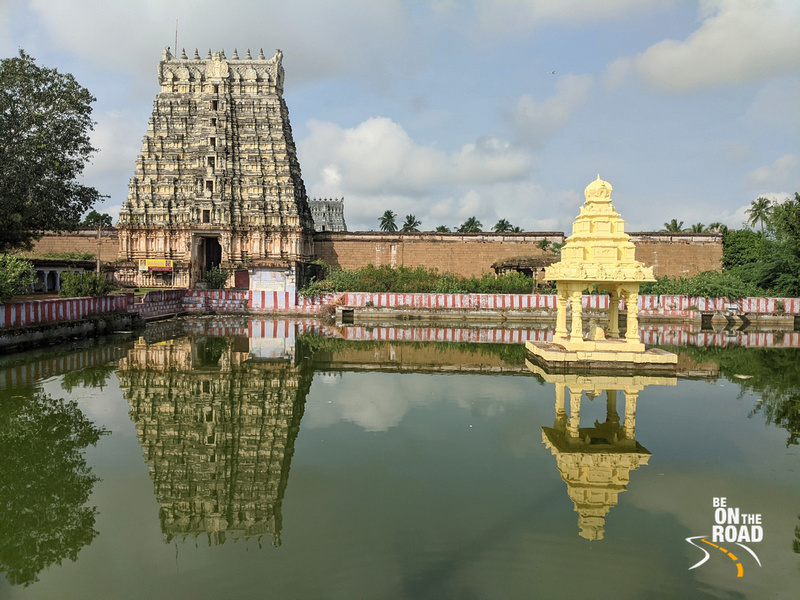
(206, 254)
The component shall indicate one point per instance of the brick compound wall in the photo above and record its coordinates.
(674, 254)
(468, 254)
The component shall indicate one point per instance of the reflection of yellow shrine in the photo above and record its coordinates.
(217, 430)
(599, 254)
(595, 462)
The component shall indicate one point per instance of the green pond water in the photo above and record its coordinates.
(272, 459)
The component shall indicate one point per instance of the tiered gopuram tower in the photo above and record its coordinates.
(218, 182)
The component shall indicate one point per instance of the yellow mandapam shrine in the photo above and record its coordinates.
(599, 255)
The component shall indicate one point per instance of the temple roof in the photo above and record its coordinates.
(599, 250)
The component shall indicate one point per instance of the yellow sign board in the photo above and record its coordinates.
(155, 264)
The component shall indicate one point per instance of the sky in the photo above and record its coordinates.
(447, 109)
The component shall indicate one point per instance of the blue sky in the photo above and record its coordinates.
(449, 109)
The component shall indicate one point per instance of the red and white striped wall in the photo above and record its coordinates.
(32, 312)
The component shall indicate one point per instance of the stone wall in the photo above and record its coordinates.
(673, 254)
(471, 254)
(84, 240)
(679, 254)
(462, 253)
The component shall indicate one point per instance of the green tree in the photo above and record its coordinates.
(45, 484)
(471, 225)
(543, 245)
(411, 224)
(759, 212)
(443, 229)
(216, 278)
(516, 229)
(717, 227)
(673, 226)
(697, 228)
(16, 276)
(503, 226)
(387, 221)
(45, 121)
(95, 219)
(79, 285)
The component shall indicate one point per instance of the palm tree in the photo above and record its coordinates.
(717, 227)
(503, 226)
(697, 228)
(471, 225)
(760, 211)
(516, 229)
(411, 223)
(387, 221)
(673, 226)
(443, 229)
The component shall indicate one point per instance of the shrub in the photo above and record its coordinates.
(709, 284)
(78, 285)
(16, 276)
(216, 278)
(418, 280)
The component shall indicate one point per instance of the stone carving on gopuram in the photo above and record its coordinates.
(218, 182)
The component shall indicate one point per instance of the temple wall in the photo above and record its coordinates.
(671, 254)
(674, 254)
(84, 240)
(465, 254)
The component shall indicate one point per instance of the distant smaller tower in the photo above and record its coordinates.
(328, 215)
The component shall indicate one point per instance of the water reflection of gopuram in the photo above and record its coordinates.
(595, 462)
(218, 430)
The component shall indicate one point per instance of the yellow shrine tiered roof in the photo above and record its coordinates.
(599, 249)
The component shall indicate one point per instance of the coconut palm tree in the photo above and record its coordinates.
(471, 225)
(673, 226)
(717, 227)
(443, 229)
(502, 226)
(387, 221)
(697, 228)
(516, 229)
(760, 211)
(411, 223)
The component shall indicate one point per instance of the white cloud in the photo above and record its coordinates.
(736, 42)
(518, 15)
(776, 107)
(376, 165)
(784, 172)
(319, 39)
(536, 122)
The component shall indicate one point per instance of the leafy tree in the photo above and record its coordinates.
(543, 245)
(516, 229)
(471, 225)
(216, 278)
(45, 484)
(79, 285)
(697, 228)
(45, 120)
(411, 223)
(673, 226)
(759, 212)
(387, 221)
(443, 229)
(503, 226)
(742, 247)
(16, 276)
(95, 219)
(785, 219)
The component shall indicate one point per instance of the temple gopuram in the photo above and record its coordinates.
(217, 183)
